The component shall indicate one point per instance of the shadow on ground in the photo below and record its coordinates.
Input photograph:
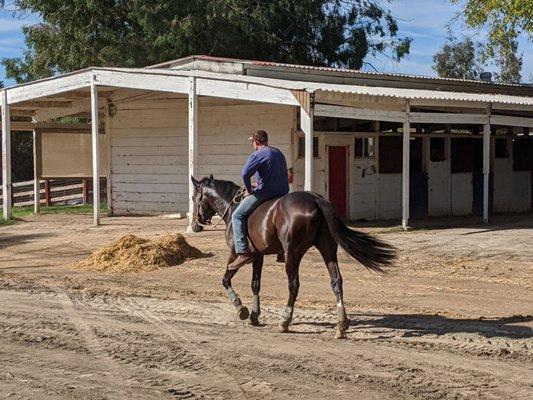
(418, 325)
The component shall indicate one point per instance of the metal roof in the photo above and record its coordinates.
(400, 93)
(330, 70)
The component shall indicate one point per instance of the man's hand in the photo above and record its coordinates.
(246, 193)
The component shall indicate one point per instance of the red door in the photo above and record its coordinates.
(338, 182)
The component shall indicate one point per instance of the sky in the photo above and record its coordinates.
(425, 21)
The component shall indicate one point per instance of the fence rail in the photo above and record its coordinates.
(55, 192)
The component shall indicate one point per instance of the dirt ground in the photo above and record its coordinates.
(453, 319)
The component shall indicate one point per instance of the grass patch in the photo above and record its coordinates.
(21, 212)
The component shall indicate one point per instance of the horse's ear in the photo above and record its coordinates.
(211, 177)
(195, 182)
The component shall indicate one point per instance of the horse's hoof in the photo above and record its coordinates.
(243, 313)
(340, 334)
(345, 324)
(283, 328)
(254, 318)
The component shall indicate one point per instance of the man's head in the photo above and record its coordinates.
(259, 139)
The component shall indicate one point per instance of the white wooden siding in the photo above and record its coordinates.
(149, 148)
(390, 190)
(462, 193)
(512, 191)
(148, 157)
(439, 186)
(224, 131)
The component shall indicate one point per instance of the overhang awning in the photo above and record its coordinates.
(277, 91)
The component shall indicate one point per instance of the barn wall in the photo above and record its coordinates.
(224, 131)
(462, 193)
(149, 148)
(511, 188)
(390, 189)
(66, 155)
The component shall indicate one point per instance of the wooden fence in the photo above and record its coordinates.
(56, 192)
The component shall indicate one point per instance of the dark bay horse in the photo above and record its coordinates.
(291, 225)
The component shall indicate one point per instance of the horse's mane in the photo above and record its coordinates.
(224, 188)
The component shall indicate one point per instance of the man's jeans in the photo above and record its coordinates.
(239, 219)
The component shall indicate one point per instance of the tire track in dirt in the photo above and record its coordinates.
(187, 368)
(224, 384)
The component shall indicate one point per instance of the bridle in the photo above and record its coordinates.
(237, 198)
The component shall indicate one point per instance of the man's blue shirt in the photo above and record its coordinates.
(269, 166)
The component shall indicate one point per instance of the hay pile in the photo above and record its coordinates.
(134, 254)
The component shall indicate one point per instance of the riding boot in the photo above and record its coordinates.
(242, 259)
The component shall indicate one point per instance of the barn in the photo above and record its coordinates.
(379, 146)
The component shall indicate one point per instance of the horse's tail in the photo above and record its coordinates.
(369, 251)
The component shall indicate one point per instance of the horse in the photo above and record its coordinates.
(288, 225)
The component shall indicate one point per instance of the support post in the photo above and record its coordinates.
(47, 196)
(36, 171)
(306, 124)
(405, 169)
(95, 151)
(6, 158)
(193, 145)
(486, 166)
(109, 180)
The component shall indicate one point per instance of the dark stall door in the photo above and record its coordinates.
(338, 180)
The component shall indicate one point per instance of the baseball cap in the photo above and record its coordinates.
(259, 136)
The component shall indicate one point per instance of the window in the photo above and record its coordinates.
(390, 155)
(364, 147)
(301, 147)
(500, 148)
(437, 149)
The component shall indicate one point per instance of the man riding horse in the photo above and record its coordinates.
(269, 167)
(276, 222)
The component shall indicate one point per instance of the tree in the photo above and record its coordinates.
(458, 59)
(80, 33)
(506, 21)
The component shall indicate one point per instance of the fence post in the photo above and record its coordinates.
(85, 192)
(47, 193)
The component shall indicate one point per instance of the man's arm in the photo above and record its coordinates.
(249, 169)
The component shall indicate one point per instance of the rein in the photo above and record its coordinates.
(236, 200)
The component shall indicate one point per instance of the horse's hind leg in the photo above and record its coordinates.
(292, 266)
(328, 249)
(257, 268)
(242, 311)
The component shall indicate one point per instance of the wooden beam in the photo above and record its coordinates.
(193, 145)
(53, 127)
(109, 179)
(327, 110)
(147, 81)
(511, 121)
(34, 104)
(244, 91)
(306, 124)
(446, 118)
(21, 113)
(37, 154)
(6, 158)
(74, 107)
(48, 87)
(486, 165)
(95, 151)
(406, 167)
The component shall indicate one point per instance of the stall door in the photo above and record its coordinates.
(338, 182)
(439, 175)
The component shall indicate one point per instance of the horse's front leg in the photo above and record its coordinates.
(242, 311)
(256, 287)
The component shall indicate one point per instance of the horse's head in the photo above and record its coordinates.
(202, 198)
